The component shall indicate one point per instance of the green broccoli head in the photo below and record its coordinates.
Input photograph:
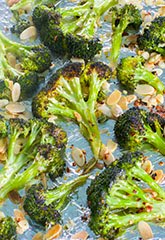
(123, 18)
(7, 229)
(3, 127)
(153, 37)
(73, 93)
(44, 206)
(40, 147)
(136, 129)
(117, 201)
(20, 26)
(131, 72)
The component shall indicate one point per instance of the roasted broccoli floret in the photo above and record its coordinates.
(44, 206)
(136, 128)
(118, 200)
(123, 18)
(65, 96)
(31, 60)
(33, 147)
(153, 37)
(71, 30)
(7, 229)
(131, 72)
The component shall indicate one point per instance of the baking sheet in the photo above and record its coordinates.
(77, 209)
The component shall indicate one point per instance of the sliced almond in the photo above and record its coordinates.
(22, 226)
(3, 102)
(145, 230)
(28, 33)
(123, 103)
(113, 98)
(38, 236)
(106, 155)
(18, 215)
(15, 108)
(111, 145)
(158, 175)
(153, 101)
(78, 156)
(82, 235)
(160, 98)
(131, 98)
(105, 110)
(147, 166)
(53, 232)
(144, 89)
(3, 156)
(16, 91)
(116, 110)
(11, 59)
(3, 145)
(145, 55)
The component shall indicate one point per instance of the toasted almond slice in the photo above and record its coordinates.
(28, 33)
(111, 145)
(18, 215)
(145, 230)
(15, 197)
(145, 55)
(153, 101)
(15, 108)
(146, 99)
(158, 175)
(3, 145)
(105, 110)
(16, 91)
(144, 89)
(12, 2)
(147, 166)
(53, 232)
(11, 59)
(3, 102)
(106, 155)
(113, 98)
(3, 156)
(116, 110)
(78, 156)
(22, 226)
(38, 236)
(123, 103)
(82, 235)
(131, 98)
(160, 98)
(2, 215)
(161, 64)
(18, 67)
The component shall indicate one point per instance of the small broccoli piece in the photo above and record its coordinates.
(65, 96)
(131, 72)
(44, 206)
(118, 200)
(37, 145)
(7, 229)
(123, 18)
(71, 30)
(153, 37)
(32, 60)
(20, 26)
(136, 128)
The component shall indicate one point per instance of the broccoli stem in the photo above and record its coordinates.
(117, 40)
(100, 7)
(86, 118)
(60, 194)
(16, 162)
(137, 172)
(116, 221)
(142, 74)
(155, 139)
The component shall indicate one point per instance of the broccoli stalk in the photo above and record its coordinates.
(118, 200)
(136, 128)
(40, 146)
(65, 97)
(45, 206)
(131, 72)
(122, 19)
(7, 229)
